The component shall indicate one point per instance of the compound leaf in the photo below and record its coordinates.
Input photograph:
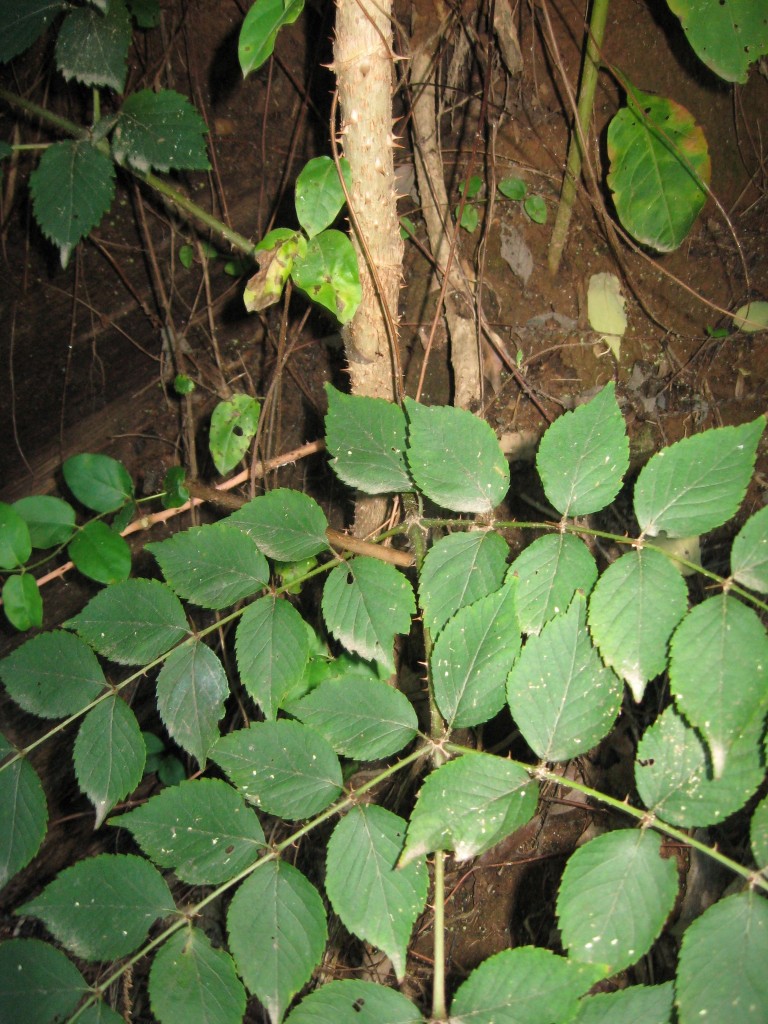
(92, 45)
(376, 900)
(284, 524)
(190, 980)
(109, 755)
(191, 689)
(52, 675)
(35, 973)
(459, 570)
(549, 572)
(160, 130)
(272, 649)
(276, 959)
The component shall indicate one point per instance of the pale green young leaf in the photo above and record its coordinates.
(22, 21)
(455, 458)
(583, 456)
(468, 806)
(355, 1002)
(191, 689)
(721, 973)
(109, 755)
(272, 649)
(698, 483)
(92, 46)
(160, 131)
(81, 905)
(375, 899)
(718, 672)
(259, 30)
(50, 520)
(758, 834)
(15, 540)
(360, 717)
(233, 426)
(24, 811)
(319, 195)
(201, 828)
(749, 553)
(549, 572)
(562, 697)
(100, 553)
(651, 1004)
(673, 773)
(283, 767)
(460, 569)
(329, 274)
(526, 985)
(191, 981)
(472, 656)
(22, 602)
(276, 958)
(366, 438)
(615, 895)
(365, 603)
(38, 983)
(284, 524)
(52, 675)
(213, 566)
(99, 482)
(633, 610)
(132, 622)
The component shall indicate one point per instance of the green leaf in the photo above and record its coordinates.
(283, 767)
(583, 456)
(469, 217)
(562, 697)
(175, 493)
(146, 13)
(733, 934)
(109, 755)
(213, 566)
(98, 481)
(277, 252)
(24, 811)
(22, 602)
(328, 273)
(659, 169)
(513, 188)
(758, 834)
(80, 906)
(360, 717)
(160, 131)
(319, 195)
(52, 675)
(272, 651)
(522, 986)
(651, 1004)
(276, 959)
(355, 1002)
(22, 21)
(366, 438)
(51, 521)
(233, 427)
(191, 689)
(202, 829)
(732, 692)
(536, 208)
(192, 981)
(15, 540)
(472, 656)
(100, 1013)
(698, 483)
(92, 46)
(749, 553)
(284, 524)
(460, 569)
(474, 185)
(674, 778)
(132, 622)
(259, 30)
(469, 805)
(727, 35)
(455, 458)
(100, 553)
(72, 188)
(365, 603)
(615, 895)
(38, 984)
(375, 899)
(549, 572)
(633, 610)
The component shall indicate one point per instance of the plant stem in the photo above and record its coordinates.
(577, 147)
(438, 983)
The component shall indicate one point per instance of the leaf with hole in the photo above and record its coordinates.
(329, 274)
(233, 427)
(727, 35)
(355, 1002)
